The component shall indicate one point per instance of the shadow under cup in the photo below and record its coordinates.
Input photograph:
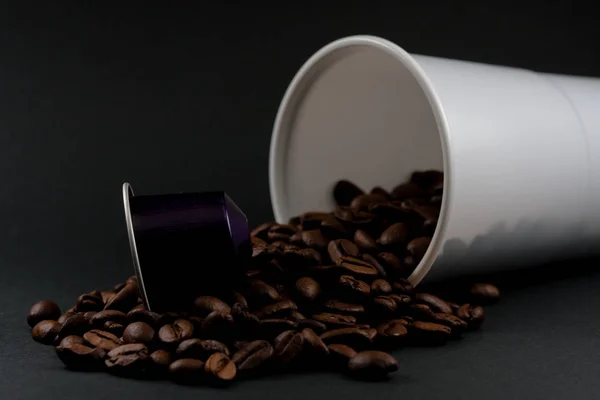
(185, 244)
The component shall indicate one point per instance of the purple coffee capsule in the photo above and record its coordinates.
(185, 244)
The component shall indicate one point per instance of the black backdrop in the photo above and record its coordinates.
(182, 98)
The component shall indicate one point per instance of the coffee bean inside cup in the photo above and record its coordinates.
(327, 289)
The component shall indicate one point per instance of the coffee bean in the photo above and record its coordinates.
(473, 316)
(216, 325)
(333, 228)
(114, 328)
(338, 306)
(207, 304)
(172, 334)
(262, 230)
(340, 354)
(89, 302)
(160, 361)
(376, 264)
(256, 241)
(421, 311)
(139, 332)
(332, 320)
(102, 317)
(221, 368)
(277, 310)
(365, 242)
(353, 337)
(125, 299)
(340, 248)
(312, 220)
(392, 264)
(41, 311)
(427, 179)
(392, 333)
(281, 232)
(311, 257)
(128, 360)
(288, 346)
(427, 212)
(418, 246)
(457, 325)
(388, 211)
(380, 287)
(74, 325)
(65, 316)
(45, 331)
(237, 298)
(484, 293)
(262, 293)
(407, 190)
(77, 356)
(345, 191)
(403, 286)
(252, 355)
(118, 287)
(395, 235)
(143, 315)
(348, 265)
(372, 364)
(362, 202)
(313, 343)
(384, 305)
(107, 295)
(401, 299)
(270, 328)
(429, 333)
(434, 302)
(200, 349)
(296, 316)
(314, 239)
(316, 326)
(105, 340)
(352, 287)
(187, 371)
(371, 333)
(308, 288)
(70, 340)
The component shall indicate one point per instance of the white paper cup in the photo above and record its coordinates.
(520, 150)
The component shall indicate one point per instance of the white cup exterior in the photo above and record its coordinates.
(520, 150)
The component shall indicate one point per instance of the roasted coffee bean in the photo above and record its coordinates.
(187, 371)
(403, 286)
(384, 305)
(220, 368)
(71, 339)
(262, 230)
(365, 242)
(277, 310)
(380, 287)
(139, 332)
(371, 333)
(180, 329)
(80, 357)
(333, 228)
(270, 328)
(335, 320)
(372, 364)
(427, 212)
(89, 302)
(428, 228)
(457, 325)
(434, 302)
(352, 287)
(394, 236)
(429, 333)
(420, 311)
(41, 311)
(200, 349)
(216, 326)
(345, 191)
(128, 360)
(256, 241)
(207, 304)
(234, 297)
(312, 220)
(74, 325)
(100, 318)
(401, 299)
(473, 316)
(65, 316)
(484, 293)
(376, 264)
(427, 179)
(392, 333)
(392, 264)
(314, 239)
(281, 232)
(316, 326)
(244, 320)
(340, 248)
(88, 315)
(407, 190)
(362, 202)
(252, 355)
(125, 299)
(311, 257)
(338, 306)
(388, 211)
(308, 288)
(287, 346)
(262, 293)
(45, 331)
(114, 328)
(418, 246)
(313, 344)
(160, 361)
(356, 267)
(353, 337)
(340, 354)
(143, 315)
(378, 190)
(296, 316)
(105, 340)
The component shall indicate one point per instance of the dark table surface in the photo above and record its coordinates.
(180, 98)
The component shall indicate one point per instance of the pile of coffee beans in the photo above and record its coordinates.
(327, 290)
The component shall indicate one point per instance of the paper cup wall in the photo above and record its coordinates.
(520, 150)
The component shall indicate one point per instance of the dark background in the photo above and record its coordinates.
(182, 98)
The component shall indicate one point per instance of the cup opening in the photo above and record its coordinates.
(127, 194)
(360, 97)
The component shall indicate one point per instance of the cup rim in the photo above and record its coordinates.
(127, 194)
(304, 78)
